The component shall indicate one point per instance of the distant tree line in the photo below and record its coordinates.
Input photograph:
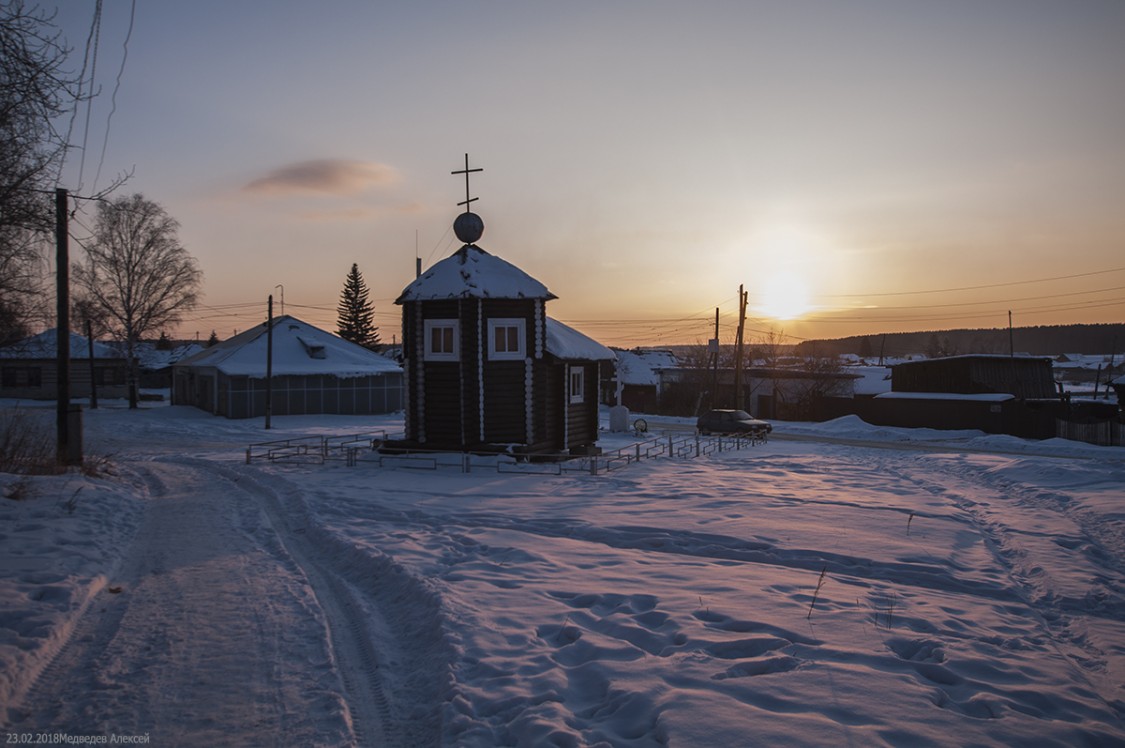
(1047, 340)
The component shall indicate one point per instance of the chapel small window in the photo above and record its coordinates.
(577, 384)
(506, 339)
(442, 339)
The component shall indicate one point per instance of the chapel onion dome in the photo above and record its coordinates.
(472, 273)
(468, 227)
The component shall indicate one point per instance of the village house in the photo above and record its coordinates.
(636, 373)
(782, 392)
(28, 369)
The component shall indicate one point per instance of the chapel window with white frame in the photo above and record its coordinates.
(506, 339)
(442, 340)
(577, 391)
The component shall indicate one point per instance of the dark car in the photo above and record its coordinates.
(732, 422)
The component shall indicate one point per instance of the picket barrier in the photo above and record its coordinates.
(365, 448)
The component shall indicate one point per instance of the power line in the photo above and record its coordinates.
(116, 88)
(96, 34)
(996, 312)
(1002, 301)
(976, 288)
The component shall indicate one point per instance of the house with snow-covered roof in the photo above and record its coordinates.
(156, 363)
(485, 368)
(28, 369)
(637, 373)
(310, 371)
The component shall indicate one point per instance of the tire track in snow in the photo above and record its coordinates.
(96, 622)
(392, 665)
(209, 639)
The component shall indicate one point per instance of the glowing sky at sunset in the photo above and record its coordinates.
(870, 166)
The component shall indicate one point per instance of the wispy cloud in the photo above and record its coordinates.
(324, 177)
(359, 213)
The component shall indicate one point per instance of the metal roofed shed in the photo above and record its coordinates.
(314, 371)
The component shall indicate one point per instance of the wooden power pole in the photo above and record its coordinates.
(269, 362)
(713, 345)
(68, 423)
(739, 395)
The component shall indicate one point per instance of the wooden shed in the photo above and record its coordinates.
(485, 369)
(993, 393)
(979, 374)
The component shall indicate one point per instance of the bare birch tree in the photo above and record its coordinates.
(34, 91)
(137, 273)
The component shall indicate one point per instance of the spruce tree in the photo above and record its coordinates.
(354, 312)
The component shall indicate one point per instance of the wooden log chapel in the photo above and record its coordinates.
(485, 368)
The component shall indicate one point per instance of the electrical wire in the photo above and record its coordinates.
(977, 288)
(116, 88)
(96, 34)
(699, 326)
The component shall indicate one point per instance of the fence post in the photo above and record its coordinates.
(594, 465)
(697, 445)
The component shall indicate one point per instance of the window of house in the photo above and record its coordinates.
(577, 384)
(21, 376)
(505, 339)
(442, 340)
(109, 375)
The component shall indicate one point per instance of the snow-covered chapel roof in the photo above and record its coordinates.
(570, 345)
(298, 349)
(472, 273)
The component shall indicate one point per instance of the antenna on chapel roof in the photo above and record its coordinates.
(468, 226)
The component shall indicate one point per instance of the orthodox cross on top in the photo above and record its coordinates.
(466, 171)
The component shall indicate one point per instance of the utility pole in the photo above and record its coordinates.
(715, 362)
(739, 395)
(68, 445)
(1011, 339)
(269, 362)
(1109, 369)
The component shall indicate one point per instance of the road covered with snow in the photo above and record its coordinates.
(820, 589)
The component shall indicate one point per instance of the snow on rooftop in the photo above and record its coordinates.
(43, 346)
(470, 272)
(980, 356)
(984, 397)
(151, 357)
(567, 343)
(873, 380)
(298, 349)
(642, 367)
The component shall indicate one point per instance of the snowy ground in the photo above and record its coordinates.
(841, 585)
